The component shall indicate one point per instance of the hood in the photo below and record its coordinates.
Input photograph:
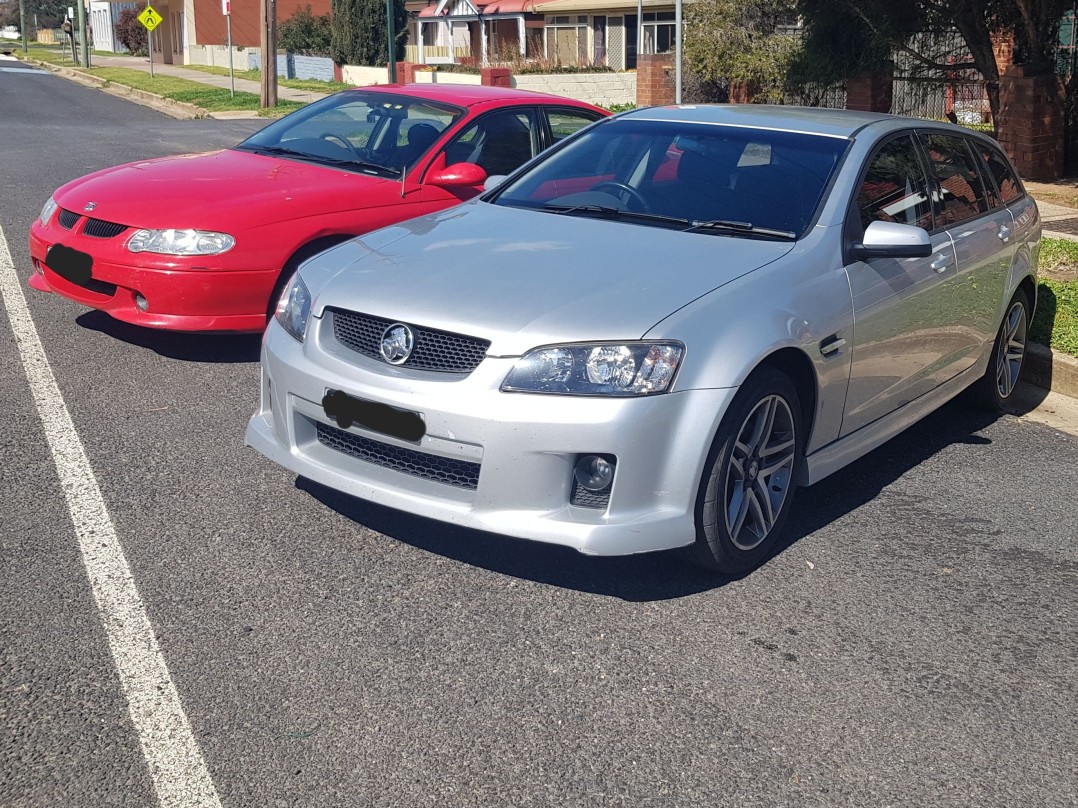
(221, 189)
(523, 278)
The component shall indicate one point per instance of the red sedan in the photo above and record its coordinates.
(206, 242)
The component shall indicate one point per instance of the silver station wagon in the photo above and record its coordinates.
(652, 334)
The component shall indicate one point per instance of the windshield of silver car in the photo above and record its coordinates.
(699, 177)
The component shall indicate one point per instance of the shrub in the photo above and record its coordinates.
(130, 32)
(359, 31)
(305, 33)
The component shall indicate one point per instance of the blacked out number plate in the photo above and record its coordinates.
(69, 264)
(347, 410)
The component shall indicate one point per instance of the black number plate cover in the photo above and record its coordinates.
(69, 264)
(347, 410)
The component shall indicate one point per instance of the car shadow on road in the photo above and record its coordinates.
(183, 345)
(663, 576)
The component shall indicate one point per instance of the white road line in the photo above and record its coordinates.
(175, 763)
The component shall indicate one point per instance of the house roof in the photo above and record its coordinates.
(473, 8)
(569, 6)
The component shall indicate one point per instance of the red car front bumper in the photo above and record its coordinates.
(177, 296)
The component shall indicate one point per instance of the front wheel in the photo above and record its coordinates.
(997, 385)
(748, 484)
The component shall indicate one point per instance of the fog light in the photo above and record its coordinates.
(37, 268)
(140, 301)
(594, 472)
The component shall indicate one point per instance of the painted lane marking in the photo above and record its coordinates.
(174, 761)
(19, 70)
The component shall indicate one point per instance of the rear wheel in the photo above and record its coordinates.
(997, 385)
(748, 484)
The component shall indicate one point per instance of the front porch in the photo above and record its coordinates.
(475, 33)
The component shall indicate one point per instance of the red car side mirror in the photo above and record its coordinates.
(457, 175)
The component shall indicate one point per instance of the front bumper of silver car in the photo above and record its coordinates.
(493, 461)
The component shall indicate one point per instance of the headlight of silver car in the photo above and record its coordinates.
(294, 308)
(180, 242)
(47, 210)
(619, 369)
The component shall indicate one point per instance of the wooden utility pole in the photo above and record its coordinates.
(269, 53)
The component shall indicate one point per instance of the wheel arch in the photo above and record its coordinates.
(797, 366)
(307, 250)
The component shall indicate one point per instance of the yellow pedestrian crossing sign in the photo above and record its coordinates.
(150, 18)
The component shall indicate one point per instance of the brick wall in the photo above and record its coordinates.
(871, 92)
(1003, 50)
(1031, 122)
(655, 80)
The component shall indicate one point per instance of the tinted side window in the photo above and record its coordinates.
(1006, 181)
(959, 177)
(499, 142)
(895, 188)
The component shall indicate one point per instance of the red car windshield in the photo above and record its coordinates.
(372, 132)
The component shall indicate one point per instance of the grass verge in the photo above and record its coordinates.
(1056, 320)
(311, 85)
(211, 99)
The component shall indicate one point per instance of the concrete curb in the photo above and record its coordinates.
(1051, 370)
(174, 109)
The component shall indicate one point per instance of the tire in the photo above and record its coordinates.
(1000, 379)
(743, 503)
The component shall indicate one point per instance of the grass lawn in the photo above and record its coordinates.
(1056, 320)
(312, 85)
(211, 99)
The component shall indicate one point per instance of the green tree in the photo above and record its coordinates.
(305, 33)
(847, 37)
(743, 41)
(360, 30)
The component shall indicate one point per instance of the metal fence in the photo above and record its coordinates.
(961, 99)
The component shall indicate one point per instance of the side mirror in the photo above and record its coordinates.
(457, 175)
(893, 240)
(494, 181)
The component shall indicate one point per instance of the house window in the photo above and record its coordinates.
(567, 39)
(660, 33)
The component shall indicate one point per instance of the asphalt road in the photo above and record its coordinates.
(915, 643)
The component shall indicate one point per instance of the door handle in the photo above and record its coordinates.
(940, 262)
(831, 345)
(1004, 234)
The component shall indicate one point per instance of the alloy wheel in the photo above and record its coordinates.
(1011, 349)
(759, 472)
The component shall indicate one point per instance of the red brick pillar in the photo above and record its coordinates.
(1003, 50)
(1031, 122)
(655, 80)
(405, 72)
(497, 76)
(871, 92)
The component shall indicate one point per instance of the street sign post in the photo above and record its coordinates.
(150, 19)
(226, 9)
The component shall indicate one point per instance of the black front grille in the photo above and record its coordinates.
(99, 228)
(434, 350)
(458, 473)
(67, 219)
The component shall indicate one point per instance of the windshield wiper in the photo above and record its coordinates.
(615, 213)
(729, 226)
(318, 158)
